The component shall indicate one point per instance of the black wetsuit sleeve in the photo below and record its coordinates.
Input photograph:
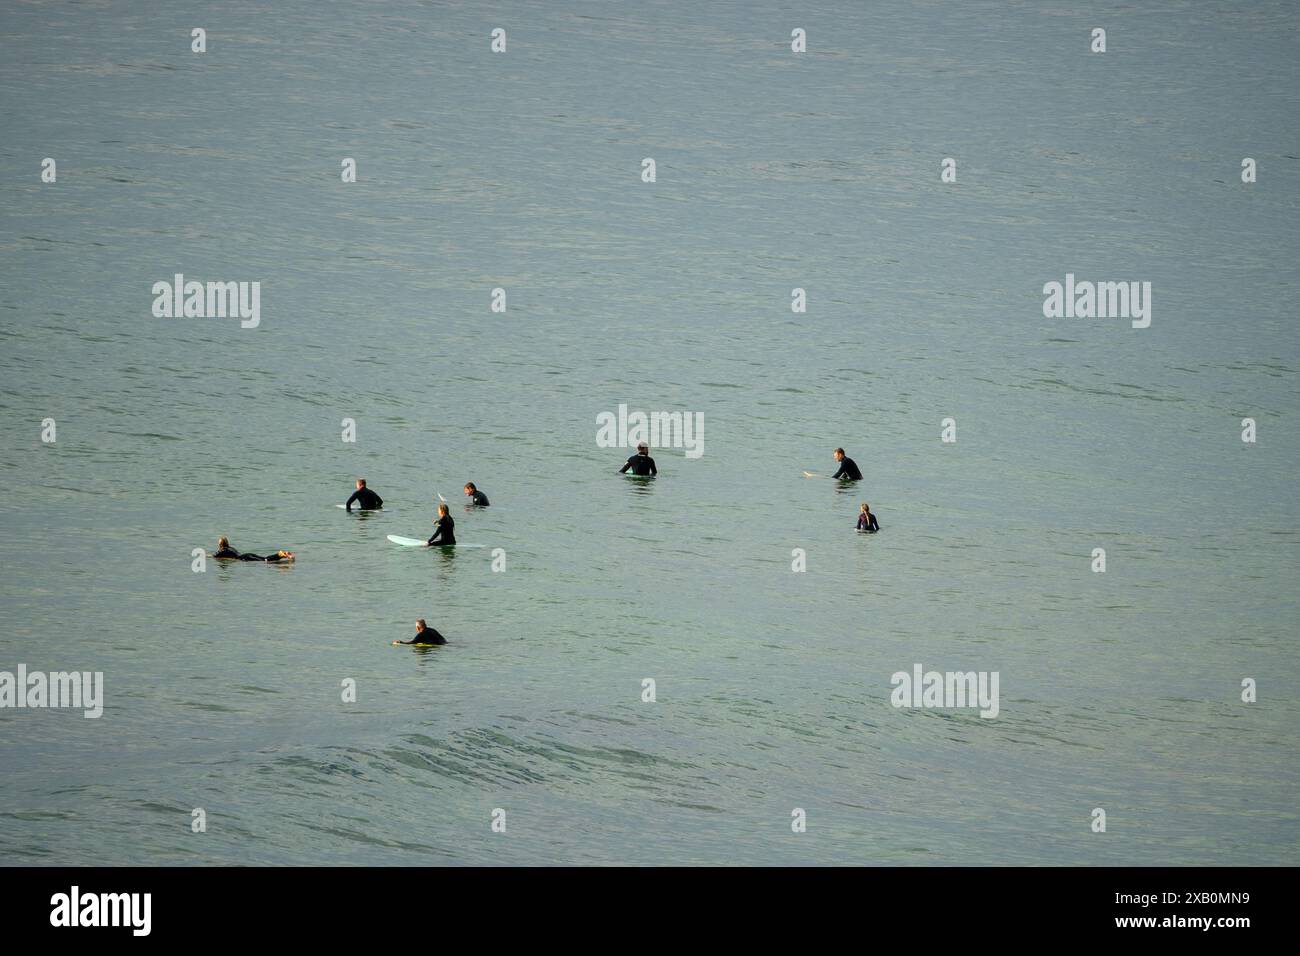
(352, 499)
(625, 467)
(848, 469)
(653, 469)
(428, 636)
(379, 502)
(875, 525)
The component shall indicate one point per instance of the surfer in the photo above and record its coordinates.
(366, 499)
(867, 521)
(849, 470)
(424, 634)
(226, 553)
(476, 497)
(642, 465)
(445, 533)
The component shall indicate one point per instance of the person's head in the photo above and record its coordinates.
(420, 625)
(866, 508)
(223, 542)
(839, 453)
(361, 483)
(642, 448)
(470, 488)
(284, 554)
(442, 508)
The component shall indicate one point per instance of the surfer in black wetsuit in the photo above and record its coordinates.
(366, 499)
(849, 470)
(226, 553)
(445, 532)
(867, 521)
(424, 635)
(476, 497)
(642, 465)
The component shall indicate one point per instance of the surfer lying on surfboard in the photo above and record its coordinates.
(366, 499)
(226, 552)
(642, 465)
(445, 532)
(424, 635)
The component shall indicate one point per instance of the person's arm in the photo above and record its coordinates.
(348, 506)
(875, 525)
(653, 469)
(379, 501)
(626, 466)
(840, 473)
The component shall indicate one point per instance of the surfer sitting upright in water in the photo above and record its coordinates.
(366, 499)
(867, 521)
(476, 497)
(849, 470)
(424, 635)
(226, 552)
(445, 533)
(642, 465)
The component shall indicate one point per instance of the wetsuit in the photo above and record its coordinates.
(868, 522)
(479, 499)
(848, 470)
(231, 553)
(429, 635)
(445, 533)
(643, 466)
(365, 499)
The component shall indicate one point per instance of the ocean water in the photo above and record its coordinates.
(522, 170)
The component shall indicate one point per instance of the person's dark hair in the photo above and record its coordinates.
(471, 486)
(839, 451)
(361, 482)
(420, 622)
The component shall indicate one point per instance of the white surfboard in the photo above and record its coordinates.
(419, 543)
